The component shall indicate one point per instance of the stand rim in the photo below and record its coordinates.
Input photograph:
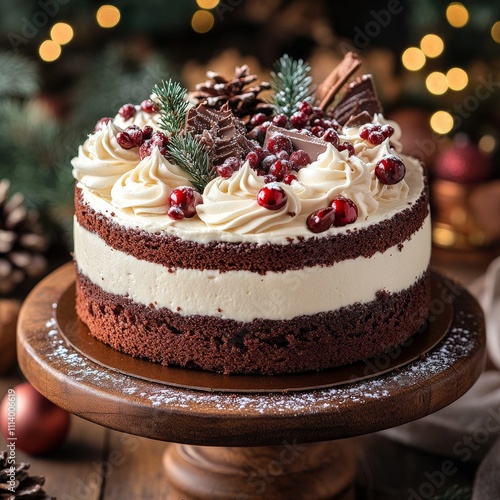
(230, 419)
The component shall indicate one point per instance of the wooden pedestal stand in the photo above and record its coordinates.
(249, 446)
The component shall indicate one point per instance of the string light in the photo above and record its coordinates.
(442, 122)
(495, 32)
(49, 51)
(61, 33)
(457, 15)
(413, 59)
(202, 21)
(487, 143)
(207, 4)
(432, 45)
(457, 79)
(436, 83)
(108, 16)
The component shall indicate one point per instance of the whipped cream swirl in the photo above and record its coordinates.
(141, 118)
(231, 204)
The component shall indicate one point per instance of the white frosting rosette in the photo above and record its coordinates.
(231, 204)
(146, 188)
(141, 119)
(101, 161)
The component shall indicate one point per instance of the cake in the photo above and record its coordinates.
(225, 231)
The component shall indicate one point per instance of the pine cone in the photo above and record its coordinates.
(22, 241)
(25, 486)
(238, 92)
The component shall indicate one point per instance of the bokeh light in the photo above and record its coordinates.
(457, 79)
(495, 32)
(202, 21)
(207, 4)
(436, 83)
(108, 16)
(413, 59)
(457, 15)
(432, 45)
(49, 51)
(442, 122)
(61, 33)
(487, 143)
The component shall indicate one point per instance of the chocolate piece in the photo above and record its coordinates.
(220, 131)
(358, 120)
(328, 89)
(360, 96)
(312, 145)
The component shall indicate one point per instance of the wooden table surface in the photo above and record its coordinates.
(96, 463)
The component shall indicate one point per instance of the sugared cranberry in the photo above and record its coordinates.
(321, 220)
(127, 111)
(124, 140)
(299, 119)
(331, 136)
(288, 179)
(387, 130)
(267, 162)
(157, 139)
(306, 108)
(271, 196)
(160, 139)
(224, 171)
(148, 106)
(280, 168)
(253, 159)
(100, 124)
(282, 155)
(279, 142)
(346, 145)
(364, 132)
(145, 149)
(376, 137)
(175, 213)
(304, 131)
(186, 198)
(135, 134)
(390, 170)
(233, 163)
(147, 132)
(258, 119)
(346, 211)
(318, 131)
(268, 178)
(261, 152)
(280, 120)
(299, 159)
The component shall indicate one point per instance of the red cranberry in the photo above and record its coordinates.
(299, 119)
(376, 137)
(127, 111)
(135, 134)
(346, 211)
(175, 213)
(258, 119)
(271, 196)
(268, 178)
(346, 145)
(280, 120)
(289, 178)
(279, 142)
(390, 170)
(318, 131)
(261, 152)
(282, 155)
(300, 159)
(306, 108)
(364, 132)
(233, 163)
(319, 122)
(387, 130)
(160, 139)
(186, 198)
(225, 171)
(304, 131)
(331, 136)
(145, 149)
(321, 220)
(148, 106)
(268, 161)
(100, 124)
(124, 140)
(253, 159)
(147, 132)
(280, 168)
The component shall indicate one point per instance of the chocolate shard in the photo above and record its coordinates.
(360, 96)
(358, 120)
(312, 145)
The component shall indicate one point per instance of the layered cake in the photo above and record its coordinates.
(226, 231)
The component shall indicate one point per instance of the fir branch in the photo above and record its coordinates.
(291, 83)
(172, 104)
(186, 152)
(19, 76)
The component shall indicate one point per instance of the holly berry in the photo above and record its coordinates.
(346, 211)
(272, 196)
(321, 220)
(387, 131)
(280, 120)
(148, 106)
(280, 168)
(100, 124)
(186, 199)
(306, 108)
(390, 170)
(279, 142)
(299, 119)
(299, 159)
(346, 145)
(258, 119)
(127, 111)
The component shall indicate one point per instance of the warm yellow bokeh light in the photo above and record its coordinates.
(61, 33)
(207, 4)
(457, 15)
(457, 79)
(413, 59)
(487, 143)
(49, 51)
(436, 83)
(202, 21)
(108, 16)
(495, 32)
(442, 122)
(432, 45)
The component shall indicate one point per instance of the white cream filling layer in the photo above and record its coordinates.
(243, 295)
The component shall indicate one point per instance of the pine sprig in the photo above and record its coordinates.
(19, 77)
(291, 83)
(172, 104)
(191, 156)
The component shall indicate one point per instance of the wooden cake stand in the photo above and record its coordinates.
(249, 443)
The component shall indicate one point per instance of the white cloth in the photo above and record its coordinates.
(469, 428)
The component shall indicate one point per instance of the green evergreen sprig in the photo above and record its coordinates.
(186, 152)
(291, 83)
(172, 104)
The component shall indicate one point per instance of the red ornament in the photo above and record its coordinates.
(38, 425)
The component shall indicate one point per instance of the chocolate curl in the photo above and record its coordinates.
(328, 89)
